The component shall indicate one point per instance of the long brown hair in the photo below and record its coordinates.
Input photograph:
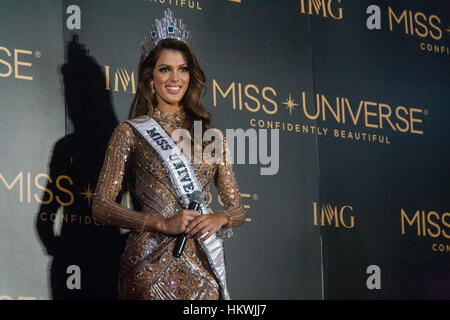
(144, 102)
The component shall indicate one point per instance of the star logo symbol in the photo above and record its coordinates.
(88, 193)
(290, 104)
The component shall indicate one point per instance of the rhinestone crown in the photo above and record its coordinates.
(166, 27)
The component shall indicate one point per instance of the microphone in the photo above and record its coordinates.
(195, 198)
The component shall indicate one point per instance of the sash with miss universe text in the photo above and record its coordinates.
(185, 182)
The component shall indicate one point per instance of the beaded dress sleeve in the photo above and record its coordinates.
(105, 209)
(228, 190)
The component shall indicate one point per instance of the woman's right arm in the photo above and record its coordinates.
(104, 207)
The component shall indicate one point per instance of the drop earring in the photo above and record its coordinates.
(153, 89)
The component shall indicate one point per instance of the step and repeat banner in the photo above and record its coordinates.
(347, 195)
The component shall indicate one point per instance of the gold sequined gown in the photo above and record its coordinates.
(148, 269)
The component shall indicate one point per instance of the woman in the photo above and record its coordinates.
(170, 84)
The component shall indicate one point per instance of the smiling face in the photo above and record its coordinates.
(171, 77)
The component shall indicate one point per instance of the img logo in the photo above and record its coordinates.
(122, 80)
(326, 8)
(333, 216)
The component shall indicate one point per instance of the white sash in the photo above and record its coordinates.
(185, 181)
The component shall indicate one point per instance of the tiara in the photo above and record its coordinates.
(166, 27)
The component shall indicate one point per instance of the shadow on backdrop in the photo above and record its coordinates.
(74, 167)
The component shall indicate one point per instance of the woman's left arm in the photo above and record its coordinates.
(228, 190)
(234, 214)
